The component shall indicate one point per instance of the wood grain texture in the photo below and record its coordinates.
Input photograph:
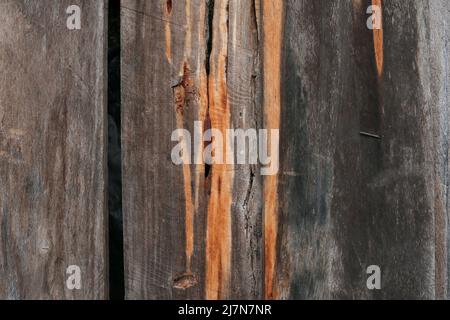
(341, 201)
(272, 17)
(52, 150)
(357, 201)
(244, 81)
(164, 88)
(197, 61)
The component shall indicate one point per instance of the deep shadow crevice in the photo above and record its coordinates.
(116, 256)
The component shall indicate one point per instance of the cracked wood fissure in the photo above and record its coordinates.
(52, 150)
(340, 202)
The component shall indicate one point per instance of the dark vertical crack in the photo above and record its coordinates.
(255, 16)
(256, 113)
(209, 34)
(116, 260)
(209, 45)
(169, 6)
(249, 191)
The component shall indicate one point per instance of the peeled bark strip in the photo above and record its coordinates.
(52, 150)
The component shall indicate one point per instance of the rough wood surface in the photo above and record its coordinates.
(163, 88)
(355, 201)
(200, 230)
(52, 150)
(341, 201)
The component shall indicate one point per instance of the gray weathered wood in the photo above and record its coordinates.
(52, 150)
(192, 231)
(356, 201)
(163, 65)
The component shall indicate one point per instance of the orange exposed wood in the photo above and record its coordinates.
(378, 40)
(180, 103)
(218, 246)
(168, 32)
(273, 25)
(168, 42)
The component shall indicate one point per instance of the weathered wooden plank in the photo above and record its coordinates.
(345, 200)
(52, 150)
(191, 231)
(163, 89)
(438, 78)
(244, 81)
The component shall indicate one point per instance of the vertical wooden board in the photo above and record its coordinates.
(438, 75)
(244, 82)
(395, 220)
(347, 201)
(272, 17)
(314, 70)
(191, 231)
(52, 150)
(234, 216)
(163, 89)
